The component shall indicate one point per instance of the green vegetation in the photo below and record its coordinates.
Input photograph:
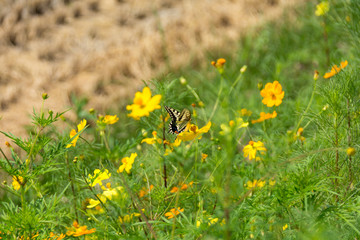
(271, 150)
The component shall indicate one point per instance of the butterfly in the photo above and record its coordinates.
(179, 120)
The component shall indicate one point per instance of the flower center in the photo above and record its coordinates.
(273, 96)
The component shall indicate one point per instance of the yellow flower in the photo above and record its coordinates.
(127, 163)
(251, 149)
(110, 119)
(264, 116)
(322, 8)
(284, 227)
(73, 132)
(212, 221)
(245, 112)
(194, 132)
(299, 135)
(17, 182)
(272, 94)
(76, 230)
(152, 140)
(272, 182)
(335, 69)
(173, 212)
(98, 177)
(350, 151)
(255, 184)
(143, 104)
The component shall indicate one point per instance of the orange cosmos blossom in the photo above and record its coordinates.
(76, 230)
(143, 104)
(173, 212)
(264, 116)
(272, 94)
(335, 69)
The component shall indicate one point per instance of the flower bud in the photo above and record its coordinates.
(183, 81)
(243, 69)
(7, 144)
(316, 75)
(91, 111)
(260, 85)
(45, 96)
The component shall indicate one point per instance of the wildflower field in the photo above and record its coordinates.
(260, 144)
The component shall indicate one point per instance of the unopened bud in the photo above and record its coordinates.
(91, 111)
(7, 144)
(316, 75)
(243, 69)
(45, 96)
(183, 81)
(260, 85)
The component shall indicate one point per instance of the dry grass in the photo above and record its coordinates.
(103, 49)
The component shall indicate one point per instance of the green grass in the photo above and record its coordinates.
(315, 195)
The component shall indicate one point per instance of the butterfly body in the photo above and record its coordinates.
(179, 120)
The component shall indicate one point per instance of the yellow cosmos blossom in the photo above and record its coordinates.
(143, 104)
(272, 94)
(98, 177)
(76, 230)
(212, 221)
(173, 212)
(335, 70)
(350, 151)
(110, 119)
(127, 163)
(245, 112)
(264, 116)
(285, 227)
(322, 8)
(272, 182)
(251, 149)
(194, 132)
(108, 194)
(73, 132)
(152, 140)
(255, 184)
(17, 182)
(128, 218)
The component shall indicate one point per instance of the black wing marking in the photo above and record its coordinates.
(174, 114)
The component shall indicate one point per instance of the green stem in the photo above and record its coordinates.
(236, 81)
(308, 106)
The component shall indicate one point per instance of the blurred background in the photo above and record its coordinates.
(103, 49)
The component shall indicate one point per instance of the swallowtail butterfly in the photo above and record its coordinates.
(179, 120)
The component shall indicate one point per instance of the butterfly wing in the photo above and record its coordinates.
(174, 114)
(179, 120)
(184, 118)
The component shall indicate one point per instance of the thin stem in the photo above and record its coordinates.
(164, 138)
(308, 106)
(349, 140)
(217, 99)
(236, 81)
(144, 218)
(72, 188)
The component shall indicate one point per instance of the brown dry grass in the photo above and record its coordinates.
(103, 49)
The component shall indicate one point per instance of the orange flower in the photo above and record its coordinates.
(76, 230)
(219, 64)
(174, 189)
(335, 69)
(272, 94)
(264, 116)
(144, 191)
(173, 212)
